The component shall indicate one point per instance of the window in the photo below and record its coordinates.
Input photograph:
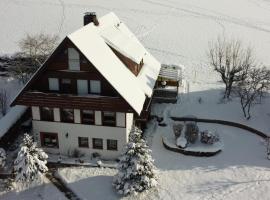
(53, 84)
(67, 115)
(49, 140)
(88, 117)
(95, 87)
(73, 59)
(112, 145)
(109, 118)
(83, 142)
(66, 85)
(82, 87)
(46, 114)
(97, 143)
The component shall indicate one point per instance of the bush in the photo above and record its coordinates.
(96, 155)
(192, 132)
(208, 137)
(75, 153)
(177, 128)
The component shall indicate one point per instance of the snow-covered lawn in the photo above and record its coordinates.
(47, 191)
(12, 87)
(240, 171)
(175, 31)
(89, 182)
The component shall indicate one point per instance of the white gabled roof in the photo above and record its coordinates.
(94, 48)
(148, 74)
(117, 35)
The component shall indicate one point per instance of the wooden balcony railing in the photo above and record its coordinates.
(93, 102)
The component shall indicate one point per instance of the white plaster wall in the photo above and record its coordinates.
(129, 124)
(35, 113)
(120, 119)
(81, 130)
(56, 113)
(77, 116)
(98, 120)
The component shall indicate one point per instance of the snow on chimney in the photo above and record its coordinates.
(90, 17)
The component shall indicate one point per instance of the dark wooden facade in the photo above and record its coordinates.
(99, 103)
(37, 93)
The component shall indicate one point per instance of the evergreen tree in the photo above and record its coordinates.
(136, 168)
(30, 163)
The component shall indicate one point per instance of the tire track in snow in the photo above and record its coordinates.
(63, 17)
(222, 17)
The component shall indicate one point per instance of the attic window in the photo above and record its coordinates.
(73, 59)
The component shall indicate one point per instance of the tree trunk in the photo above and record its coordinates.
(249, 116)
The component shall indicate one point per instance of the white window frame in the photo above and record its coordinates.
(82, 87)
(73, 59)
(53, 84)
(95, 86)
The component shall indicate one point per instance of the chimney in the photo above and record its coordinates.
(90, 17)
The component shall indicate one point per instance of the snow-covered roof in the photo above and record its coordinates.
(172, 72)
(94, 41)
(117, 35)
(94, 48)
(113, 32)
(148, 74)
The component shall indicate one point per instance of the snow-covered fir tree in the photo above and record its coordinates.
(136, 170)
(3, 157)
(30, 163)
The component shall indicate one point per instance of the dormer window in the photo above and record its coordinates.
(73, 59)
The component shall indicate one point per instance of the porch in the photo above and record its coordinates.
(168, 83)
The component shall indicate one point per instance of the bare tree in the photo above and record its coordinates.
(37, 47)
(231, 60)
(34, 50)
(250, 90)
(3, 101)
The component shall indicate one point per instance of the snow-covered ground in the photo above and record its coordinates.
(47, 191)
(12, 87)
(211, 106)
(240, 171)
(175, 31)
(178, 32)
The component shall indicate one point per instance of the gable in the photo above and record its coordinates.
(109, 54)
(57, 67)
(107, 63)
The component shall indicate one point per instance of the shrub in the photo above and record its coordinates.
(192, 132)
(177, 128)
(208, 137)
(75, 153)
(96, 155)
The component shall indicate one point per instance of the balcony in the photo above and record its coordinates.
(94, 102)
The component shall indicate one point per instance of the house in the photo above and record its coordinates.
(87, 95)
